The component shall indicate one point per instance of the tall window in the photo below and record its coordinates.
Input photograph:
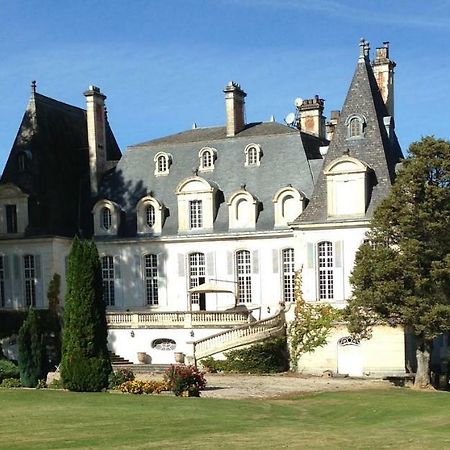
(30, 280)
(207, 159)
(108, 280)
(151, 279)
(195, 214)
(162, 164)
(197, 272)
(325, 266)
(252, 156)
(2, 281)
(22, 162)
(244, 276)
(150, 215)
(288, 274)
(106, 218)
(11, 218)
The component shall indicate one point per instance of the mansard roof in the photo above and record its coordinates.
(53, 136)
(288, 157)
(376, 149)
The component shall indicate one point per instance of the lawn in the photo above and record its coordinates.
(394, 418)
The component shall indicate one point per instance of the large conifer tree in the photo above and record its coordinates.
(402, 275)
(85, 364)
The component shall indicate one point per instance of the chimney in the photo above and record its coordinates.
(95, 116)
(383, 69)
(331, 124)
(235, 108)
(311, 119)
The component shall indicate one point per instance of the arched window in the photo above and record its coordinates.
(325, 266)
(162, 163)
(207, 156)
(151, 279)
(253, 155)
(197, 273)
(356, 124)
(243, 210)
(106, 218)
(288, 274)
(244, 276)
(150, 216)
(288, 205)
(108, 280)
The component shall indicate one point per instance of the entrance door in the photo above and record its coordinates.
(349, 357)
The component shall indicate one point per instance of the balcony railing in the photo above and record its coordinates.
(185, 319)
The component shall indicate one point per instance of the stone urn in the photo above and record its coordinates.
(142, 357)
(179, 357)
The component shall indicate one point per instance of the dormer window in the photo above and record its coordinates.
(11, 218)
(106, 218)
(13, 210)
(288, 205)
(207, 156)
(149, 213)
(242, 211)
(162, 163)
(356, 124)
(253, 155)
(22, 160)
(195, 214)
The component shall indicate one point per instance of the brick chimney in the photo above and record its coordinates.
(331, 124)
(95, 116)
(235, 108)
(312, 120)
(383, 69)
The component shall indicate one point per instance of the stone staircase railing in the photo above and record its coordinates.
(239, 336)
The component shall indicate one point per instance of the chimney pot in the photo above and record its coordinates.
(235, 108)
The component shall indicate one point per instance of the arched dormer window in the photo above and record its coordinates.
(13, 210)
(347, 187)
(207, 156)
(163, 161)
(288, 205)
(242, 210)
(149, 216)
(253, 154)
(356, 125)
(196, 204)
(106, 218)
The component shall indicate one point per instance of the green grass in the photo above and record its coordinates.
(394, 418)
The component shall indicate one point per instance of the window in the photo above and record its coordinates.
(207, 160)
(2, 281)
(243, 210)
(195, 214)
(150, 216)
(325, 267)
(356, 124)
(288, 205)
(22, 162)
(207, 156)
(164, 344)
(151, 279)
(162, 163)
(106, 218)
(288, 275)
(244, 276)
(30, 280)
(11, 218)
(197, 271)
(253, 155)
(108, 280)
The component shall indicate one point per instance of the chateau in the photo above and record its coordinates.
(200, 233)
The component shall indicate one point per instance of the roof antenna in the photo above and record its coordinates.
(33, 87)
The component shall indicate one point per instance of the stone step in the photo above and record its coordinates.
(143, 368)
(117, 360)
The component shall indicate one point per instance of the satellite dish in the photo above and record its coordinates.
(290, 119)
(298, 102)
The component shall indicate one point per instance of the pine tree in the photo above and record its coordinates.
(402, 275)
(31, 349)
(85, 362)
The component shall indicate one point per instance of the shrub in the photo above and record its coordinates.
(85, 364)
(41, 384)
(184, 378)
(142, 387)
(11, 383)
(31, 351)
(119, 377)
(8, 370)
(266, 357)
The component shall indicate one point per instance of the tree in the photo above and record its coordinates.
(311, 325)
(402, 274)
(31, 351)
(85, 364)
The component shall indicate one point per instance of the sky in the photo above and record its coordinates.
(163, 64)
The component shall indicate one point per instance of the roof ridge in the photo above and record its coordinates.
(54, 102)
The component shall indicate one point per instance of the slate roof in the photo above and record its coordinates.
(289, 157)
(376, 149)
(53, 135)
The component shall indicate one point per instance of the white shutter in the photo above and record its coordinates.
(275, 260)
(39, 281)
(117, 272)
(181, 269)
(338, 247)
(255, 261)
(310, 255)
(210, 269)
(230, 263)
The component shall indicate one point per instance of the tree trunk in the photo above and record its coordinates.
(423, 355)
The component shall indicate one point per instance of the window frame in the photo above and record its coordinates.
(288, 274)
(106, 218)
(325, 270)
(162, 161)
(197, 273)
(356, 123)
(108, 280)
(195, 207)
(244, 270)
(29, 279)
(207, 157)
(253, 154)
(11, 218)
(151, 279)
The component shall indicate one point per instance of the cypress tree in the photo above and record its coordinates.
(31, 349)
(85, 364)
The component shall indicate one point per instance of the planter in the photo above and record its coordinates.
(179, 357)
(143, 358)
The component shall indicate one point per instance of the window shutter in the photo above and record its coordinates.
(7, 273)
(180, 265)
(255, 261)
(310, 255)
(137, 266)
(275, 260)
(210, 272)
(117, 273)
(38, 278)
(230, 263)
(338, 254)
(160, 265)
(17, 271)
